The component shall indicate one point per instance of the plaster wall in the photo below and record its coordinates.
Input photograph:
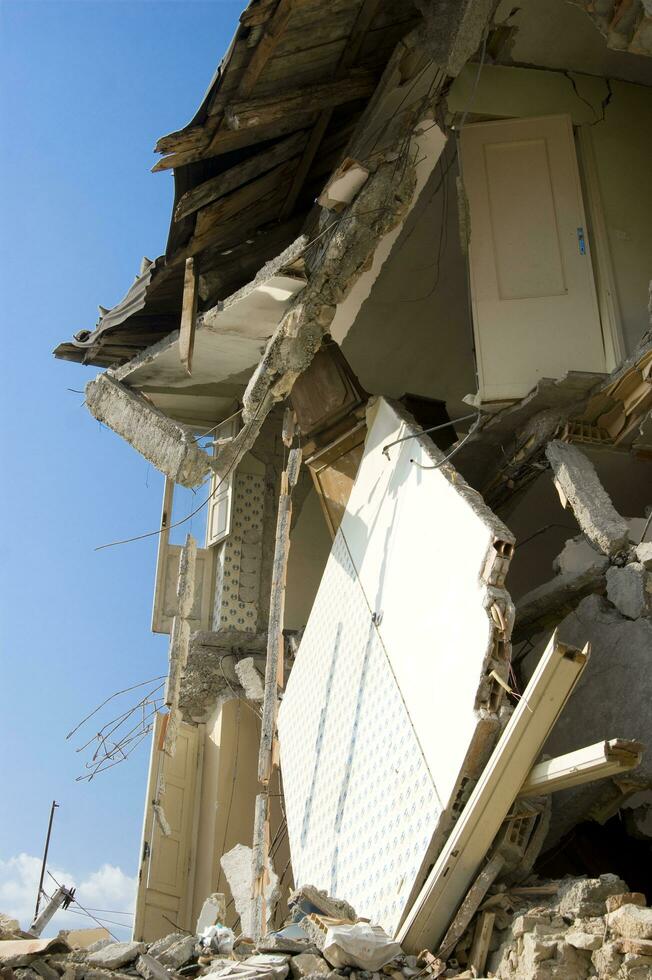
(618, 118)
(413, 331)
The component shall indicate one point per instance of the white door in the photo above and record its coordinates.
(164, 900)
(535, 311)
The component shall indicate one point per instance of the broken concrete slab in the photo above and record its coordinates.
(575, 556)
(238, 868)
(115, 955)
(150, 969)
(577, 481)
(179, 953)
(168, 446)
(626, 589)
(159, 946)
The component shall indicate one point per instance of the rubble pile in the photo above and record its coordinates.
(589, 929)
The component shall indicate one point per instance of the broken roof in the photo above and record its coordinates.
(271, 127)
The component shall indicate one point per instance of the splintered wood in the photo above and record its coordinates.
(274, 680)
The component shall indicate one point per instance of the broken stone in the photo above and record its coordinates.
(212, 911)
(637, 947)
(115, 955)
(614, 902)
(607, 960)
(631, 922)
(579, 484)
(99, 974)
(179, 952)
(150, 968)
(159, 946)
(636, 967)
(644, 553)
(307, 963)
(626, 589)
(583, 940)
(586, 896)
(45, 970)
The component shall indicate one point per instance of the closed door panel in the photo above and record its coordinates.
(534, 303)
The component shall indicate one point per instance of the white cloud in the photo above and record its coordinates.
(108, 888)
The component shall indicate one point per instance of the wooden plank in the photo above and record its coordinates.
(226, 234)
(256, 113)
(276, 610)
(470, 905)
(481, 939)
(188, 315)
(229, 181)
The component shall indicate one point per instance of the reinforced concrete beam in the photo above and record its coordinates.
(579, 488)
(550, 602)
(168, 446)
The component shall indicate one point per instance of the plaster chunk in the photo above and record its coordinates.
(631, 922)
(253, 682)
(237, 866)
(213, 911)
(577, 480)
(626, 589)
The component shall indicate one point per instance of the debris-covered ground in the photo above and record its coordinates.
(583, 929)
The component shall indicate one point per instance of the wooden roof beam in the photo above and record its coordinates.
(362, 23)
(255, 113)
(218, 187)
(272, 34)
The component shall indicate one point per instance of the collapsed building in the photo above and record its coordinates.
(405, 296)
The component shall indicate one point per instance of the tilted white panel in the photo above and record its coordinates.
(383, 712)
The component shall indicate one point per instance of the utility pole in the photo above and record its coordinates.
(45, 858)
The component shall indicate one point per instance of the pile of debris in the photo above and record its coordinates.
(589, 929)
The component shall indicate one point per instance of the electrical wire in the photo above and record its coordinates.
(77, 902)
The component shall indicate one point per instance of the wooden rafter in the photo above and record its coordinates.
(362, 23)
(256, 113)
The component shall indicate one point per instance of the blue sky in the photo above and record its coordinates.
(86, 88)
